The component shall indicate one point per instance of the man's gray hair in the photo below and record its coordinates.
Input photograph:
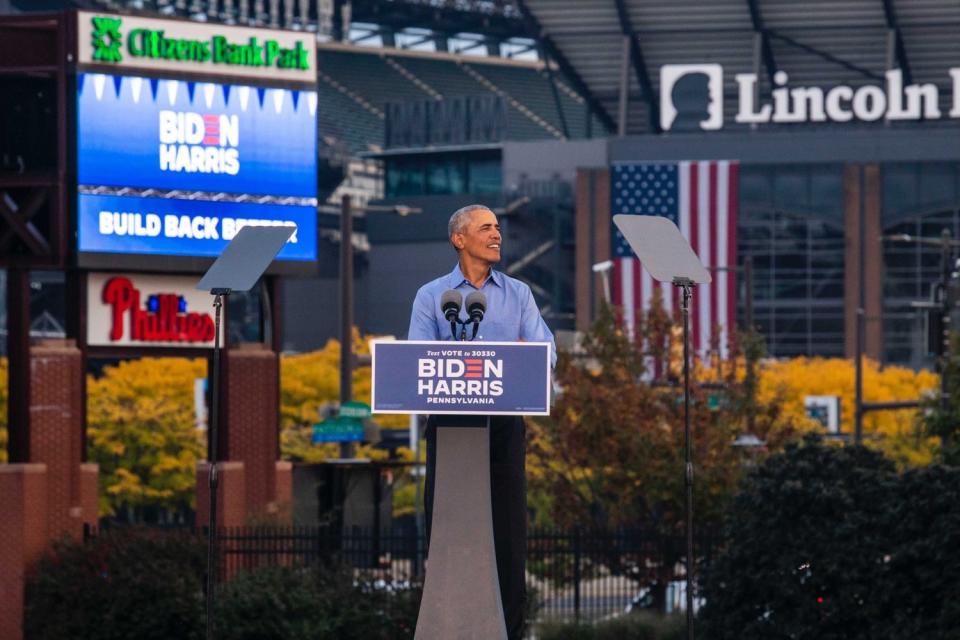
(461, 217)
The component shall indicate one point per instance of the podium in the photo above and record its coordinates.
(464, 383)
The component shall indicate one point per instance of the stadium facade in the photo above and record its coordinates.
(831, 117)
(835, 119)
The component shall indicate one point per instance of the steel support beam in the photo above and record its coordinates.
(766, 51)
(899, 50)
(867, 73)
(640, 67)
(556, 94)
(537, 31)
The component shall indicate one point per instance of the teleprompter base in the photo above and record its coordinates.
(461, 592)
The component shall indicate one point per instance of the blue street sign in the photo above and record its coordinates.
(338, 429)
(464, 378)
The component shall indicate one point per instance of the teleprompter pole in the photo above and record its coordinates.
(668, 257)
(686, 292)
(244, 261)
(213, 443)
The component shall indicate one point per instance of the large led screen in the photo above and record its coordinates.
(112, 224)
(195, 136)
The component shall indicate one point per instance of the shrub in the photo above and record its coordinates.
(284, 603)
(149, 586)
(830, 543)
(121, 585)
(635, 626)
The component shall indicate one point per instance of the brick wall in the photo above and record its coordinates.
(23, 536)
(56, 419)
(252, 422)
(53, 494)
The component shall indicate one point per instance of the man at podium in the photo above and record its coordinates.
(511, 315)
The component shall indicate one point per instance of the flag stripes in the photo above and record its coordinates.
(701, 198)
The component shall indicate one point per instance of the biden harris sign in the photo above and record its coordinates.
(195, 136)
(464, 378)
(170, 167)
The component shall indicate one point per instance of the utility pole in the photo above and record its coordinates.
(946, 244)
(748, 321)
(861, 312)
(347, 359)
(346, 311)
(945, 247)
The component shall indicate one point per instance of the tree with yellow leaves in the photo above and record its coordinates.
(611, 454)
(141, 432)
(308, 381)
(785, 383)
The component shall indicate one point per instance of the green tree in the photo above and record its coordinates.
(142, 433)
(829, 542)
(612, 453)
(941, 419)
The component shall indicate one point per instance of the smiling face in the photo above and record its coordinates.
(479, 240)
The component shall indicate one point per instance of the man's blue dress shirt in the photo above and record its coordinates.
(511, 314)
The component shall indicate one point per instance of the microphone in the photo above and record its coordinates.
(450, 303)
(476, 307)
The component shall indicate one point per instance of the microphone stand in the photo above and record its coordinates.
(463, 329)
(686, 292)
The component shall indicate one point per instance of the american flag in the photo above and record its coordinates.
(701, 198)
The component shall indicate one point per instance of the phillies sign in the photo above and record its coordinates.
(139, 310)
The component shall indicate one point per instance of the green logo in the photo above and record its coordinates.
(155, 44)
(107, 39)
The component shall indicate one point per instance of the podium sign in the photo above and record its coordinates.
(462, 378)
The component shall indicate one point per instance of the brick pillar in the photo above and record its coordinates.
(55, 431)
(592, 234)
(250, 429)
(231, 495)
(23, 536)
(90, 493)
(283, 499)
(867, 176)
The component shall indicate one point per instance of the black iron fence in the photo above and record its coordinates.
(571, 574)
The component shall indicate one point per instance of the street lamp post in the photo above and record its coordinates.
(946, 244)
(346, 211)
(346, 311)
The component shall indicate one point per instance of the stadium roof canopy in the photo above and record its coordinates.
(816, 42)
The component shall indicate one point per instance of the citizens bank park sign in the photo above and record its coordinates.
(188, 47)
(125, 310)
